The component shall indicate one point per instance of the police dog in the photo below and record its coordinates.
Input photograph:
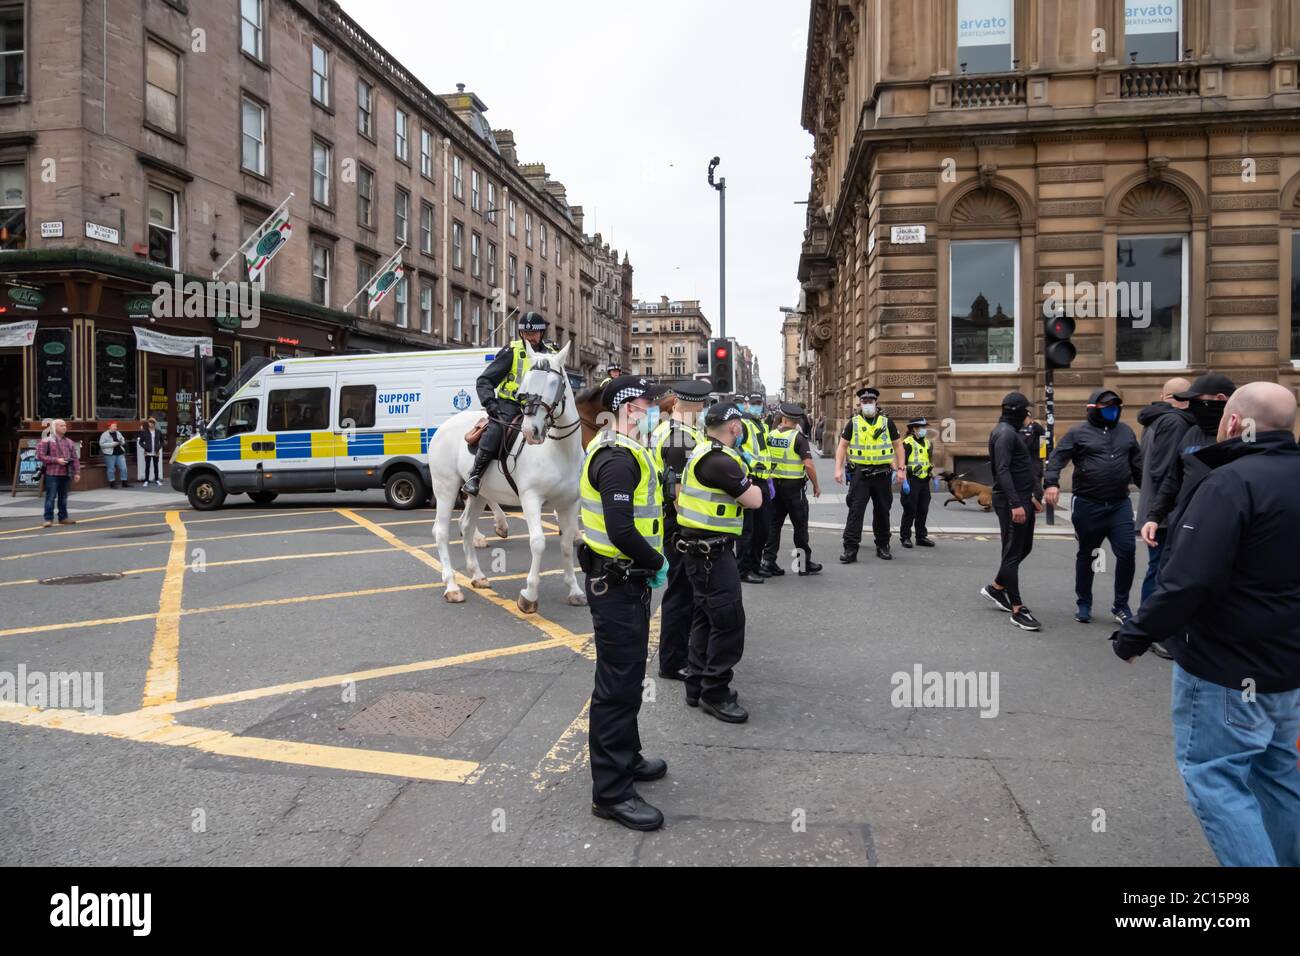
(960, 489)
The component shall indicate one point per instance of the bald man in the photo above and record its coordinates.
(1163, 423)
(1229, 594)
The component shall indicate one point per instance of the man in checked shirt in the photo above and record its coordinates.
(58, 455)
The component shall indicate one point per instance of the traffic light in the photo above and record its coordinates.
(722, 365)
(1058, 348)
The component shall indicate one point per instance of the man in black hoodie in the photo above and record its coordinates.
(1230, 596)
(1106, 459)
(1163, 424)
(1017, 497)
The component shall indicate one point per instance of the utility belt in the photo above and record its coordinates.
(870, 471)
(603, 571)
(705, 546)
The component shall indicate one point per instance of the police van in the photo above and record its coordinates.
(334, 423)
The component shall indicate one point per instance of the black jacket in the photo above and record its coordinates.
(1184, 472)
(1229, 591)
(1162, 427)
(1106, 458)
(1015, 479)
(497, 372)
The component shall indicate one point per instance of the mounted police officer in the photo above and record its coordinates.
(672, 443)
(612, 371)
(792, 468)
(622, 555)
(498, 390)
(753, 448)
(916, 496)
(714, 495)
(874, 450)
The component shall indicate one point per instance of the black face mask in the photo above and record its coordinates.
(1015, 417)
(1208, 413)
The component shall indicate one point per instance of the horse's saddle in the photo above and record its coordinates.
(504, 448)
(474, 434)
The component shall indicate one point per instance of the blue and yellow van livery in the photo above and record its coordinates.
(339, 423)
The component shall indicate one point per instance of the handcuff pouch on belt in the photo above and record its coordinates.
(619, 571)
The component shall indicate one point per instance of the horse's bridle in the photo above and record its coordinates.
(553, 411)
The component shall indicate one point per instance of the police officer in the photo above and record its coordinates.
(621, 553)
(792, 468)
(671, 443)
(916, 496)
(874, 451)
(498, 388)
(753, 449)
(715, 492)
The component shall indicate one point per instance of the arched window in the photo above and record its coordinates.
(1149, 301)
(984, 301)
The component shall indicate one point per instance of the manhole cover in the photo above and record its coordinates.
(412, 714)
(83, 578)
(138, 534)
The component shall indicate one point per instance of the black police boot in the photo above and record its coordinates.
(771, 569)
(883, 553)
(728, 711)
(907, 542)
(810, 567)
(481, 461)
(635, 814)
(653, 768)
(850, 556)
(924, 543)
(678, 674)
(753, 577)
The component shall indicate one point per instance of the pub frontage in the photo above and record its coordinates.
(81, 340)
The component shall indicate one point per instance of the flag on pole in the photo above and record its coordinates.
(265, 243)
(382, 284)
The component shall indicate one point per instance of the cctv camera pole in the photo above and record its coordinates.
(721, 187)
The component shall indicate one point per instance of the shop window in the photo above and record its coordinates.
(115, 385)
(985, 32)
(983, 282)
(1150, 301)
(298, 409)
(357, 406)
(1153, 30)
(237, 418)
(53, 350)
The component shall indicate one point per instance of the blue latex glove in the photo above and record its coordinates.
(907, 487)
(660, 577)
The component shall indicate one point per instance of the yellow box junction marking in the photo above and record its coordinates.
(163, 678)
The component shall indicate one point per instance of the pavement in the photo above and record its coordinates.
(258, 667)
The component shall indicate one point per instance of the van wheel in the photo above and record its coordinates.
(404, 490)
(263, 497)
(205, 493)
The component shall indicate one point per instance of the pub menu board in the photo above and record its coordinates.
(53, 373)
(27, 476)
(114, 375)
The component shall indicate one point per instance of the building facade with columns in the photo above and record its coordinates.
(667, 338)
(970, 155)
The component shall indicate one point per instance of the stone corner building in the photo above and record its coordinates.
(1169, 159)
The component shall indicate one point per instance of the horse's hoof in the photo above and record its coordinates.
(481, 583)
(454, 597)
(502, 531)
(578, 600)
(480, 542)
(527, 606)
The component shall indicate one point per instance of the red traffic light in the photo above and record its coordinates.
(722, 351)
(1060, 328)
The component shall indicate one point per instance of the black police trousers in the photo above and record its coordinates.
(677, 611)
(875, 488)
(753, 536)
(791, 500)
(916, 507)
(718, 632)
(506, 410)
(620, 617)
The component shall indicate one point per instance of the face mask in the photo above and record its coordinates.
(869, 409)
(1109, 414)
(1208, 414)
(650, 421)
(1016, 416)
(920, 434)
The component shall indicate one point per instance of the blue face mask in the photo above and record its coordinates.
(1109, 414)
(651, 420)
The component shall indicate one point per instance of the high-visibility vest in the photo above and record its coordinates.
(870, 444)
(663, 434)
(703, 507)
(519, 366)
(647, 499)
(918, 456)
(786, 463)
(755, 445)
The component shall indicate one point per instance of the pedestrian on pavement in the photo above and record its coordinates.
(112, 443)
(792, 470)
(758, 521)
(671, 443)
(57, 454)
(498, 391)
(1106, 459)
(1229, 594)
(711, 500)
(1164, 422)
(916, 489)
(1017, 497)
(874, 451)
(622, 555)
(151, 442)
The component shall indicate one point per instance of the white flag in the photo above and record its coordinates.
(382, 284)
(263, 247)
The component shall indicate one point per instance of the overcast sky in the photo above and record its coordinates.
(626, 102)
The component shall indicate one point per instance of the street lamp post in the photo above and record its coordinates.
(721, 187)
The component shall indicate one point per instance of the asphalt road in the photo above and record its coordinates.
(237, 649)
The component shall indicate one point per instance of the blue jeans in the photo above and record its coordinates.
(1096, 522)
(1238, 762)
(1154, 557)
(56, 489)
(114, 464)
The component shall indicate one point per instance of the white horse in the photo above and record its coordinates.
(547, 473)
